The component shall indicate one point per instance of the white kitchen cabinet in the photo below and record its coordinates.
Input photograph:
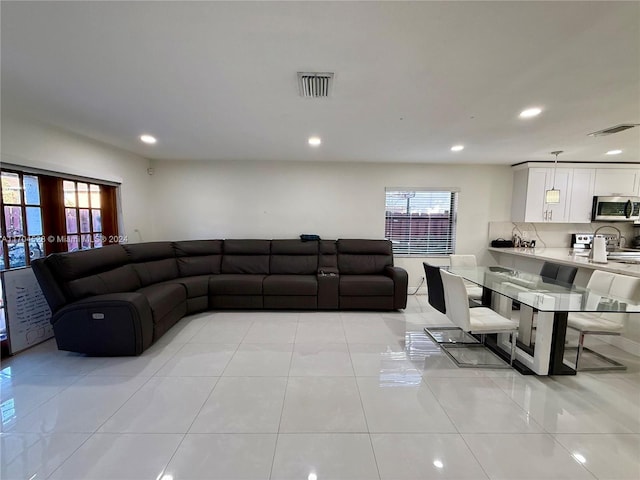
(581, 195)
(529, 188)
(577, 186)
(617, 182)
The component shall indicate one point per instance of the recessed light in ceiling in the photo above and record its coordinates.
(315, 141)
(457, 148)
(614, 152)
(530, 112)
(148, 139)
(580, 458)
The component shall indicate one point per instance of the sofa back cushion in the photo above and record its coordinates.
(246, 256)
(145, 252)
(198, 257)
(121, 279)
(93, 272)
(154, 262)
(156, 271)
(363, 257)
(294, 257)
(73, 265)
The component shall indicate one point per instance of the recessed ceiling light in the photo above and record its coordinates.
(580, 458)
(457, 148)
(530, 112)
(614, 152)
(148, 139)
(314, 141)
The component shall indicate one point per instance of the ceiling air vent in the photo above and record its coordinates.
(315, 84)
(612, 130)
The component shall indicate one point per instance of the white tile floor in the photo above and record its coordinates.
(326, 396)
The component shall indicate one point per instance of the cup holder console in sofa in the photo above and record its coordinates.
(120, 299)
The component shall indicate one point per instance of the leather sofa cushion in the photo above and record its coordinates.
(197, 286)
(233, 284)
(363, 257)
(200, 265)
(121, 279)
(290, 285)
(163, 298)
(294, 247)
(247, 247)
(328, 254)
(145, 252)
(363, 247)
(351, 264)
(294, 264)
(293, 257)
(74, 265)
(328, 247)
(365, 285)
(252, 264)
(192, 248)
(156, 271)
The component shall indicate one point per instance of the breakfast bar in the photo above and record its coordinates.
(564, 256)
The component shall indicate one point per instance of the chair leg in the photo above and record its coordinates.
(580, 348)
(513, 349)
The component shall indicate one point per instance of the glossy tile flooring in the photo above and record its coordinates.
(310, 396)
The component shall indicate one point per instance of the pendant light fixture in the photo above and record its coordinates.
(553, 195)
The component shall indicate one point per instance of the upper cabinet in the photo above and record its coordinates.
(623, 181)
(578, 183)
(581, 195)
(529, 195)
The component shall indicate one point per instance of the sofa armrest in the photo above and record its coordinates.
(105, 325)
(400, 284)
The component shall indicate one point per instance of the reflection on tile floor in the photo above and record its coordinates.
(303, 395)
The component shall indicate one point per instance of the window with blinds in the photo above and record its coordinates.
(421, 222)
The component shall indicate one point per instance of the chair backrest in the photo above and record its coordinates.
(463, 260)
(600, 282)
(435, 290)
(558, 274)
(621, 286)
(624, 286)
(456, 300)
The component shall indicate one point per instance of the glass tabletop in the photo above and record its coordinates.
(542, 293)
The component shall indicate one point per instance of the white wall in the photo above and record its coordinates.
(31, 144)
(194, 200)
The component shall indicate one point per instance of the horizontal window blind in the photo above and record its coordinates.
(421, 222)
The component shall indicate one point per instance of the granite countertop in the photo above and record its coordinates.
(567, 256)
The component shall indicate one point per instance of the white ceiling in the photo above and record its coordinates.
(217, 80)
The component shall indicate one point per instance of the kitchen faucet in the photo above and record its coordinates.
(620, 241)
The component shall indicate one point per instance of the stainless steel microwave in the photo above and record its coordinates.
(616, 209)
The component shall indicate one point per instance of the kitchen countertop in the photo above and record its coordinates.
(566, 256)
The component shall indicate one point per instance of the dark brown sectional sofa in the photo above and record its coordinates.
(119, 299)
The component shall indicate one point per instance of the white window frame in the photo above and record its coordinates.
(409, 244)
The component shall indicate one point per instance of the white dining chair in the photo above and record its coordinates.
(604, 284)
(480, 320)
(474, 292)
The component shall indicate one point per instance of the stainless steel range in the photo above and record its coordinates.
(581, 241)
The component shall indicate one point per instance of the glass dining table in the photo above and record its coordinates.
(544, 307)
